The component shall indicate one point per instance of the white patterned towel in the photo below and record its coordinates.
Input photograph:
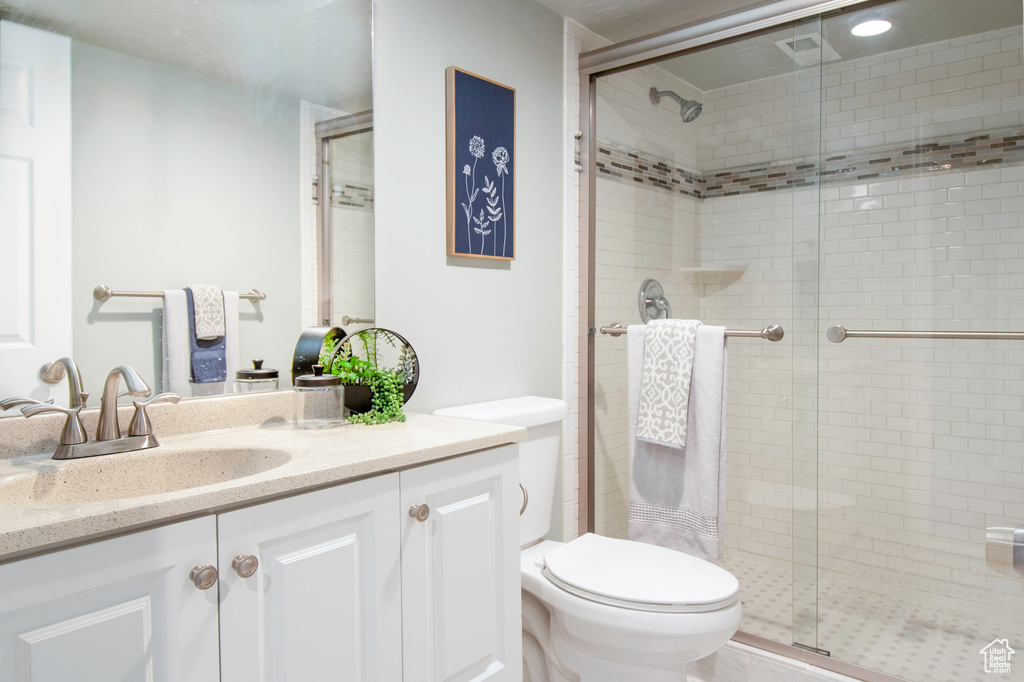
(665, 391)
(677, 499)
(209, 306)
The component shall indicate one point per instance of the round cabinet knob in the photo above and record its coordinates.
(245, 565)
(420, 512)
(203, 577)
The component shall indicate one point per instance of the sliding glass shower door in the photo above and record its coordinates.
(920, 440)
(838, 177)
(696, 203)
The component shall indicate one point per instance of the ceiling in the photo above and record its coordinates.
(252, 42)
(915, 22)
(620, 20)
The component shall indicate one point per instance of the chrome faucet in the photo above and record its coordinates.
(74, 442)
(53, 372)
(108, 428)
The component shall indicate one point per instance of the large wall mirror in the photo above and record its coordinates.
(151, 146)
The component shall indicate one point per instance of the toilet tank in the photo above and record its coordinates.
(538, 454)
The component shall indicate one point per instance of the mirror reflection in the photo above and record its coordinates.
(150, 147)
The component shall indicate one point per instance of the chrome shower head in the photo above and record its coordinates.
(689, 109)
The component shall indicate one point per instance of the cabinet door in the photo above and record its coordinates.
(460, 569)
(324, 602)
(122, 609)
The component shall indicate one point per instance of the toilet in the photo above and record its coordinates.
(599, 609)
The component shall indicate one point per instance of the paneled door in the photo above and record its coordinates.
(460, 569)
(122, 609)
(35, 207)
(310, 587)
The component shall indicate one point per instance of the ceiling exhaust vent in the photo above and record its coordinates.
(808, 49)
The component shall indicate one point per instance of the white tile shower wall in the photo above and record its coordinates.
(625, 259)
(920, 442)
(352, 235)
(941, 89)
(309, 115)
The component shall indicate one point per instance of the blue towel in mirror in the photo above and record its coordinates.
(209, 358)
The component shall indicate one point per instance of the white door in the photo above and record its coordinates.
(35, 208)
(324, 602)
(460, 570)
(122, 609)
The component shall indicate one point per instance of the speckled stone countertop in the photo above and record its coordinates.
(45, 504)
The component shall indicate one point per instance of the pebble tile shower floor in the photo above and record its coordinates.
(896, 637)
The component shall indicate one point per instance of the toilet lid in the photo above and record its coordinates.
(639, 576)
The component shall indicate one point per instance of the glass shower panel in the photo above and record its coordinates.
(920, 447)
(646, 227)
(352, 236)
(712, 209)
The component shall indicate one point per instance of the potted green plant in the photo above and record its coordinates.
(374, 393)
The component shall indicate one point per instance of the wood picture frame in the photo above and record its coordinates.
(481, 158)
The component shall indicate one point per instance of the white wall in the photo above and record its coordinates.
(179, 179)
(483, 330)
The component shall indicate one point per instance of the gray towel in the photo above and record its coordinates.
(665, 387)
(679, 501)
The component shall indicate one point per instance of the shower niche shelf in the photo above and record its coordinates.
(722, 275)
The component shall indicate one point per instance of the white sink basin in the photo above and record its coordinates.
(145, 472)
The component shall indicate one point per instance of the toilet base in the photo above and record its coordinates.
(567, 638)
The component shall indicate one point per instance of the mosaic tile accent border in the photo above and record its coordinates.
(346, 195)
(997, 147)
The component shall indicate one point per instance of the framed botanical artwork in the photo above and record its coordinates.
(481, 167)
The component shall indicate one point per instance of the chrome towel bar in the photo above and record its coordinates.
(839, 333)
(773, 333)
(102, 293)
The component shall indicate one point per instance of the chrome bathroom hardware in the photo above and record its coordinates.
(771, 333)
(420, 512)
(140, 424)
(102, 293)
(71, 436)
(203, 577)
(74, 442)
(346, 320)
(9, 403)
(108, 428)
(839, 333)
(526, 499)
(689, 109)
(245, 565)
(53, 372)
(652, 303)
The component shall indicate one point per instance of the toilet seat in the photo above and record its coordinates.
(639, 576)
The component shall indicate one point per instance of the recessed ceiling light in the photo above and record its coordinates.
(871, 28)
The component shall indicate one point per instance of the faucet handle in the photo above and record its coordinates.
(141, 425)
(74, 430)
(18, 402)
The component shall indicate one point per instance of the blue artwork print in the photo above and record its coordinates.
(481, 195)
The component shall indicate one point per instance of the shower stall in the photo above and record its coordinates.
(813, 177)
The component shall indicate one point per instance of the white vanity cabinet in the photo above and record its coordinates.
(460, 569)
(120, 609)
(341, 583)
(324, 602)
